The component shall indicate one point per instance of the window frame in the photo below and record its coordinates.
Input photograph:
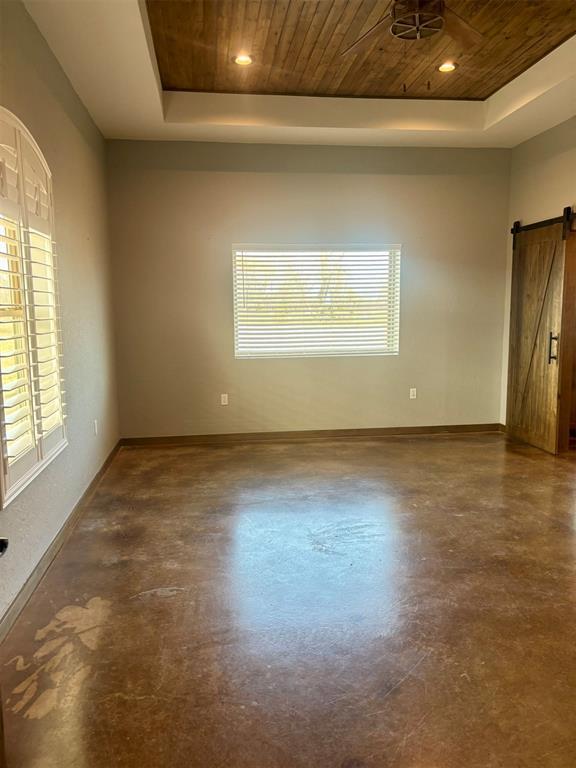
(282, 249)
(35, 235)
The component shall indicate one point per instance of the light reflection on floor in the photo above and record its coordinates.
(315, 565)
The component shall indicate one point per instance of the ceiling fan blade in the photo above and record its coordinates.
(459, 29)
(367, 38)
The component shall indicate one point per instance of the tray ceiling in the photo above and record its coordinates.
(296, 47)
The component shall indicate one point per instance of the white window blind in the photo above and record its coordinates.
(301, 301)
(32, 410)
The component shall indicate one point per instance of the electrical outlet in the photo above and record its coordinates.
(224, 399)
(412, 393)
(95, 426)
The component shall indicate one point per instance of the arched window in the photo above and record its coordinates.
(31, 385)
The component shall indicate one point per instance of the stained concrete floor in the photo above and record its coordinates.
(396, 603)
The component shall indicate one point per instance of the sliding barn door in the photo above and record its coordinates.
(535, 328)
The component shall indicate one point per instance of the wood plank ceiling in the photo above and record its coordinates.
(296, 47)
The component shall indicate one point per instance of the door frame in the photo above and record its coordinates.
(3, 763)
(566, 347)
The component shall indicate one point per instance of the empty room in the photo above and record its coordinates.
(288, 383)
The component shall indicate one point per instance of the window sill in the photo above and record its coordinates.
(36, 470)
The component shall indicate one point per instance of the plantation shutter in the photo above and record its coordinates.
(31, 385)
(300, 301)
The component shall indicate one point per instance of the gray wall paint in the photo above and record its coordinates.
(175, 210)
(543, 174)
(33, 86)
(542, 184)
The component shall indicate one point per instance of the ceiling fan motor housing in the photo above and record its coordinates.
(417, 19)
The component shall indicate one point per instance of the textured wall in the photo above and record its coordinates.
(177, 208)
(542, 184)
(33, 86)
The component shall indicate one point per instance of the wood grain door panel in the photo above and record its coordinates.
(536, 316)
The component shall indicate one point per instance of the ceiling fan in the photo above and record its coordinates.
(419, 20)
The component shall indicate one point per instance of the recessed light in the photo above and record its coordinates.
(448, 66)
(243, 60)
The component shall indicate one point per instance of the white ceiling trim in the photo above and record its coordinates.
(105, 48)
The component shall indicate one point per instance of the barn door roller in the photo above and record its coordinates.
(566, 220)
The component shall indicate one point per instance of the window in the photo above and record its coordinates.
(31, 392)
(300, 301)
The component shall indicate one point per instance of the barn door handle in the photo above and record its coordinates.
(552, 339)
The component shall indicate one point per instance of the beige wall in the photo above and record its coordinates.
(33, 86)
(543, 174)
(542, 184)
(177, 208)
